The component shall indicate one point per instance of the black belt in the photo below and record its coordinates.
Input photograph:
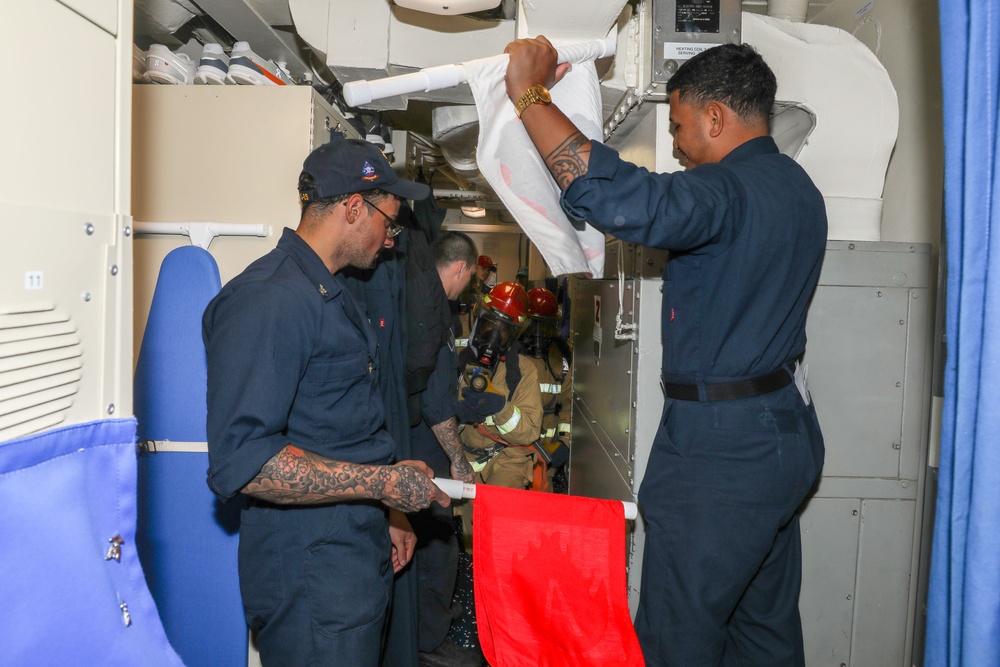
(727, 391)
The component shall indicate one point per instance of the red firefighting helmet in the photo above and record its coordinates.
(510, 299)
(542, 303)
(543, 322)
(500, 318)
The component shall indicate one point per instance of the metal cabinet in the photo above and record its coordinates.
(66, 258)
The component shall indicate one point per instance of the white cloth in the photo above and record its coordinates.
(514, 169)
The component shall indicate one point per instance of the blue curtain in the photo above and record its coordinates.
(963, 626)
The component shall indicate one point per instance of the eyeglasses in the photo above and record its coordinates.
(392, 228)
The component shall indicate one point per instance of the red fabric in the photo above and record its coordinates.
(549, 577)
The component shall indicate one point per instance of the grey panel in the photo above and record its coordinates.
(650, 262)
(856, 351)
(829, 546)
(612, 249)
(597, 467)
(870, 264)
(649, 354)
(916, 406)
(690, 24)
(602, 366)
(882, 622)
(866, 487)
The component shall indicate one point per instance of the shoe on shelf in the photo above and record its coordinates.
(450, 654)
(165, 66)
(248, 69)
(213, 66)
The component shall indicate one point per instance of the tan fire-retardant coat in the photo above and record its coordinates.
(519, 423)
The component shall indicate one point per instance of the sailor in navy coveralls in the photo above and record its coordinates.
(739, 447)
(296, 421)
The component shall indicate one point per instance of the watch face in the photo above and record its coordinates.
(543, 94)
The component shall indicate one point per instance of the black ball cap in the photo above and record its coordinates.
(346, 166)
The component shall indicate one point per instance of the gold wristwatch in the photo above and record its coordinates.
(537, 93)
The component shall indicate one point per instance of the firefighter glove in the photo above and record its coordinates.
(477, 406)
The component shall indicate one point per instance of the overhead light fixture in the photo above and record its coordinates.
(448, 7)
(474, 211)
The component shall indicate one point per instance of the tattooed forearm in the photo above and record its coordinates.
(297, 477)
(569, 159)
(447, 435)
(294, 476)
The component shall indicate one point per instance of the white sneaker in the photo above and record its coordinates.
(213, 66)
(248, 69)
(164, 66)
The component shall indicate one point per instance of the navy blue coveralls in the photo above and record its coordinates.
(292, 360)
(381, 290)
(437, 555)
(725, 478)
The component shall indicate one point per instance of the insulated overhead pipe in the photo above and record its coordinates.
(358, 93)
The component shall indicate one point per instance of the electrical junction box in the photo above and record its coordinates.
(684, 28)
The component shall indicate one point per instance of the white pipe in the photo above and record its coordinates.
(361, 92)
(790, 10)
(450, 8)
(457, 489)
(201, 233)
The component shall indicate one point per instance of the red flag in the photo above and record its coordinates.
(549, 577)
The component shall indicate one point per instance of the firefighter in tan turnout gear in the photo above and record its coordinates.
(501, 405)
(552, 359)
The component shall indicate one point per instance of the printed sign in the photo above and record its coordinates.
(34, 279)
(683, 50)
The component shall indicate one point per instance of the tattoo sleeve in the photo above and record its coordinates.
(294, 476)
(569, 159)
(297, 477)
(447, 434)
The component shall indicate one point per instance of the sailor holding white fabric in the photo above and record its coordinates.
(739, 446)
